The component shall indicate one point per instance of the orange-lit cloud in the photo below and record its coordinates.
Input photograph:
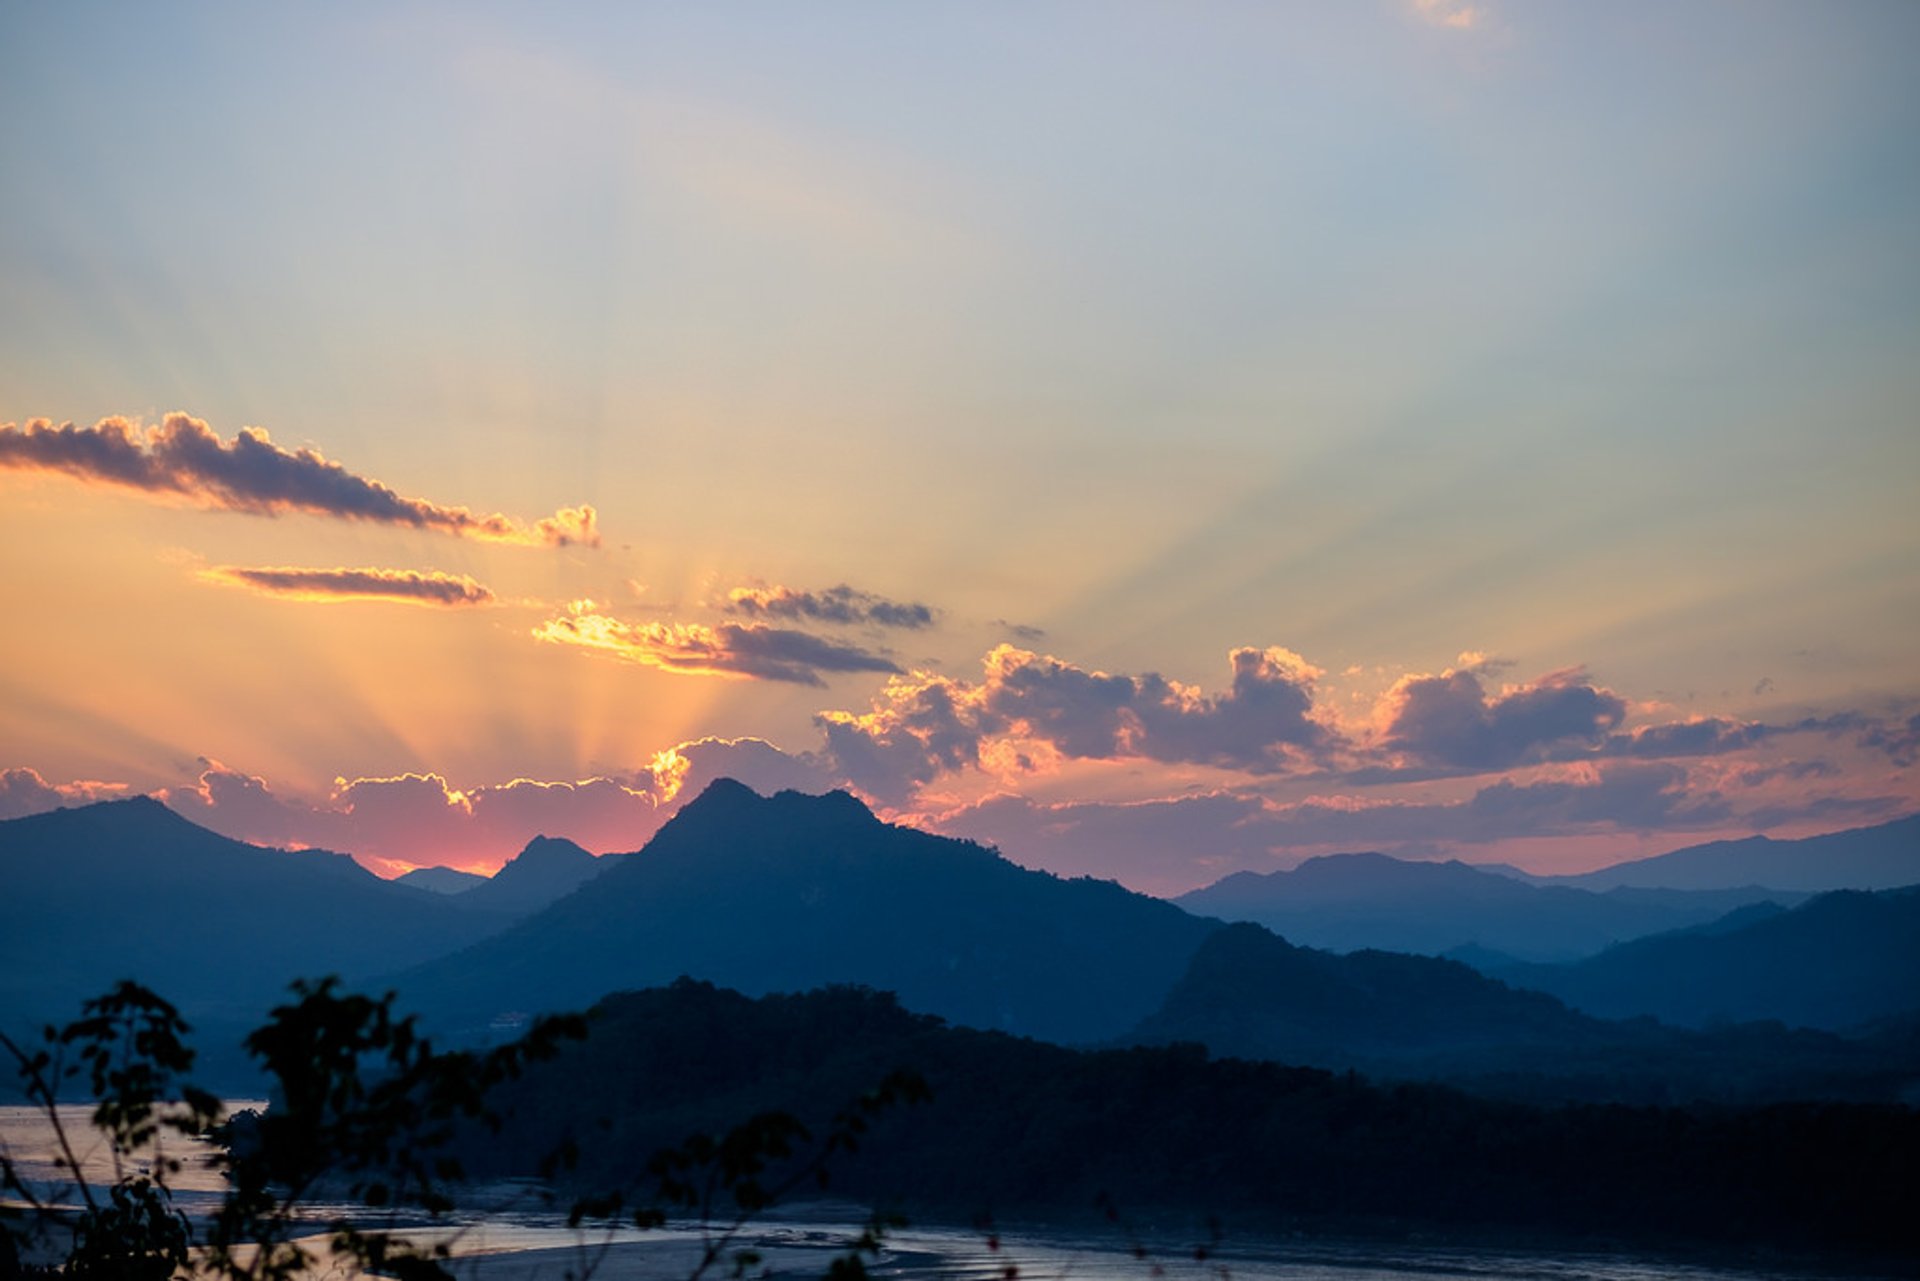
(927, 725)
(841, 604)
(411, 586)
(1449, 13)
(184, 458)
(419, 819)
(751, 650)
(24, 791)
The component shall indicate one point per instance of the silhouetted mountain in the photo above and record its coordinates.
(1836, 961)
(547, 869)
(1253, 995)
(440, 880)
(1025, 1129)
(1863, 858)
(129, 889)
(1351, 901)
(794, 891)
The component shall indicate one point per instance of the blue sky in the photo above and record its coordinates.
(1561, 346)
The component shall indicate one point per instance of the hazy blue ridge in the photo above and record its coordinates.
(1836, 961)
(1351, 901)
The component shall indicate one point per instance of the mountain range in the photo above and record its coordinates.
(792, 892)
(789, 892)
(1883, 857)
(1836, 961)
(130, 889)
(1351, 901)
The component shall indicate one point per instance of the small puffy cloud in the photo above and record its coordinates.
(1452, 14)
(411, 586)
(23, 791)
(752, 650)
(842, 604)
(1451, 721)
(185, 458)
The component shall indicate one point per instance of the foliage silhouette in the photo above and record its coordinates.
(367, 1111)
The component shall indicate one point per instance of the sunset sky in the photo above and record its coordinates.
(1160, 440)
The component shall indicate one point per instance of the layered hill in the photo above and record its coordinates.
(788, 892)
(1348, 902)
(1836, 961)
(129, 889)
(1882, 857)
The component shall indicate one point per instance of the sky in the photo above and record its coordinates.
(1157, 440)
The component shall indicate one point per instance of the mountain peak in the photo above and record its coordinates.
(549, 849)
(729, 802)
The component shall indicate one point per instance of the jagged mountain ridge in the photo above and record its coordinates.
(789, 892)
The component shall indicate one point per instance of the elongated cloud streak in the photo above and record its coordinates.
(752, 650)
(414, 587)
(842, 604)
(185, 458)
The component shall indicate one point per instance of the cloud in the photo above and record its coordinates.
(1702, 736)
(1450, 721)
(1174, 844)
(842, 604)
(411, 586)
(416, 819)
(1900, 740)
(925, 725)
(683, 772)
(751, 650)
(23, 791)
(1449, 13)
(185, 458)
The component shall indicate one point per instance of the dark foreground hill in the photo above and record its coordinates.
(129, 889)
(1836, 961)
(1026, 1130)
(791, 891)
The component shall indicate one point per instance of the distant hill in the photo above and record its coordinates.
(1863, 858)
(440, 880)
(1836, 961)
(129, 889)
(788, 892)
(546, 870)
(1250, 994)
(1351, 901)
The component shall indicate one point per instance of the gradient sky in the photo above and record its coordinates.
(1158, 439)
